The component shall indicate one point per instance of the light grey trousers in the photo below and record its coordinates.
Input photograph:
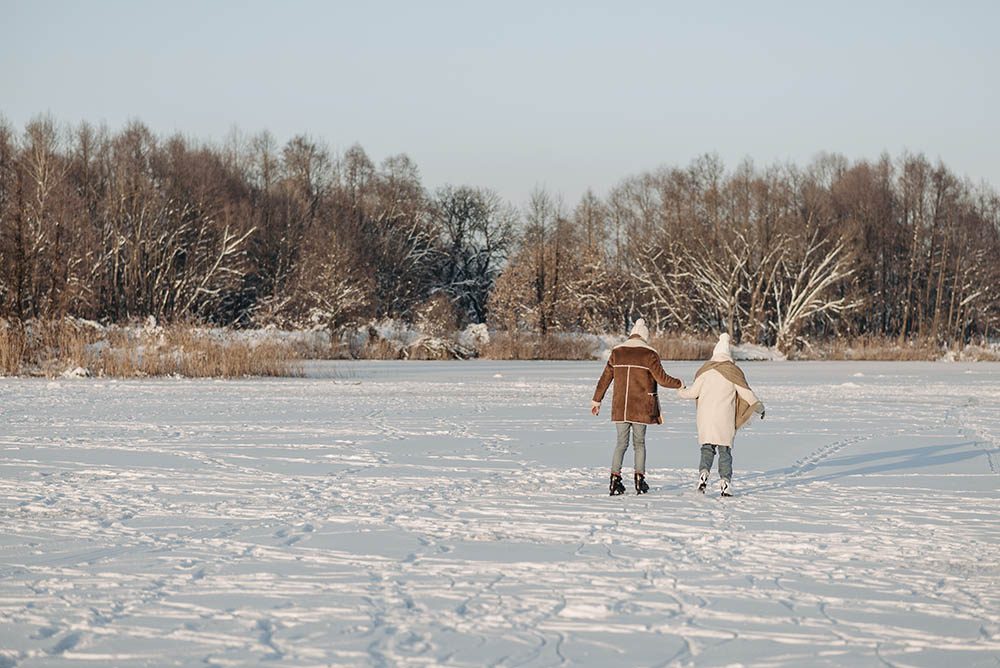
(725, 459)
(638, 446)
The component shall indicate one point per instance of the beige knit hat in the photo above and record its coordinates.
(722, 349)
(640, 328)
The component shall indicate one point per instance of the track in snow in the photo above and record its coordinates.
(434, 514)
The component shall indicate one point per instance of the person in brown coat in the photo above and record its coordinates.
(635, 369)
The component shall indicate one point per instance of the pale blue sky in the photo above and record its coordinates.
(516, 94)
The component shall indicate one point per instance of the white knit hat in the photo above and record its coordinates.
(640, 328)
(722, 350)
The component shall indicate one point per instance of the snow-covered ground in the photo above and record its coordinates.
(398, 514)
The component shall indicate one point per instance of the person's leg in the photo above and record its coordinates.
(620, 448)
(705, 466)
(726, 463)
(639, 446)
(707, 457)
(616, 487)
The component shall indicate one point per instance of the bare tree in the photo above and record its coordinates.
(477, 230)
(125, 224)
(802, 289)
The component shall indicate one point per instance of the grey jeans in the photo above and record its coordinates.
(638, 445)
(725, 459)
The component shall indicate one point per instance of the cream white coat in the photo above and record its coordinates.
(716, 397)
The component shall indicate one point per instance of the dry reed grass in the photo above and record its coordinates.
(567, 347)
(192, 355)
(562, 346)
(877, 349)
(527, 346)
(429, 348)
(12, 349)
(681, 347)
(43, 347)
(871, 349)
(379, 349)
(981, 354)
(51, 348)
(509, 346)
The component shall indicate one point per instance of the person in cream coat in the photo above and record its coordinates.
(724, 404)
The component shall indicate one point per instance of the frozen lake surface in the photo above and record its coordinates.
(405, 514)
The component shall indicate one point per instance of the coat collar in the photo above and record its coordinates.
(635, 341)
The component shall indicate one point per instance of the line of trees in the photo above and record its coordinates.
(118, 226)
(778, 256)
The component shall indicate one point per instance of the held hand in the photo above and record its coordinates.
(595, 407)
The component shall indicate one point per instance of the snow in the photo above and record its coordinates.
(456, 513)
(474, 336)
(754, 352)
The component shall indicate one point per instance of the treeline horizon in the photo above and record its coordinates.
(117, 226)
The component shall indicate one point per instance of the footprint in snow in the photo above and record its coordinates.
(67, 643)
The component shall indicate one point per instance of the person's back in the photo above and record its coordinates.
(635, 369)
(633, 366)
(725, 402)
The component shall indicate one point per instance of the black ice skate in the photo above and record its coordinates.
(640, 483)
(616, 486)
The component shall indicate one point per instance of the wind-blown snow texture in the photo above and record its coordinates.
(396, 514)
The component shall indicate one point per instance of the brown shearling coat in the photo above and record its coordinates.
(635, 369)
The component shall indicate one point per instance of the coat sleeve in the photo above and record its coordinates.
(692, 391)
(604, 382)
(661, 377)
(747, 395)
